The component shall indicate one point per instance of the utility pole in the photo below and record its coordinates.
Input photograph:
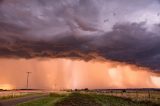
(55, 85)
(28, 73)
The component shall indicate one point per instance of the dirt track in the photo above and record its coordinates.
(13, 102)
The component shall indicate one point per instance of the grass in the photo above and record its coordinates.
(14, 96)
(44, 101)
(139, 96)
(87, 99)
(120, 101)
(78, 99)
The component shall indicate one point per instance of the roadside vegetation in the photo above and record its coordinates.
(15, 95)
(139, 96)
(87, 99)
(45, 101)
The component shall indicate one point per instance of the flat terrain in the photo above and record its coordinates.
(49, 100)
(14, 101)
(88, 99)
(18, 93)
(13, 97)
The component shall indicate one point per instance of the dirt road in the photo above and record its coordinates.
(13, 102)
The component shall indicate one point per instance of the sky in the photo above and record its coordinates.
(65, 39)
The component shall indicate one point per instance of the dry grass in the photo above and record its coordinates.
(142, 98)
(152, 96)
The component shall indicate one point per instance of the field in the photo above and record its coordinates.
(96, 98)
(135, 95)
(17, 94)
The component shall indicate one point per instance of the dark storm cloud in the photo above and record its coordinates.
(131, 43)
(76, 29)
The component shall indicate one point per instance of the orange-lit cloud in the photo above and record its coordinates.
(65, 73)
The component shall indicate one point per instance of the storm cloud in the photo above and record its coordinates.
(116, 30)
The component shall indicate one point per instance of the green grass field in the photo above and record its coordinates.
(87, 99)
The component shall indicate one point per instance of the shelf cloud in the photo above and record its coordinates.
(122, 31)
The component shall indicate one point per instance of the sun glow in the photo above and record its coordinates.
(6, 87)
(156, 80)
